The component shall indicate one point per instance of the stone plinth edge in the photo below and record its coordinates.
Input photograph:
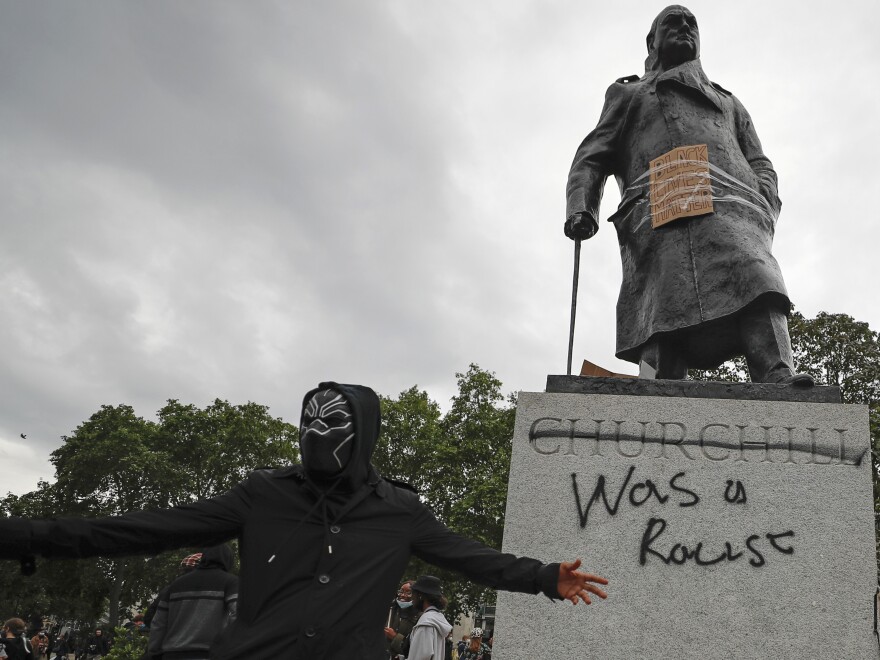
(691, 388)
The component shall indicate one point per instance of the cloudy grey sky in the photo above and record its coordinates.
(239, 199)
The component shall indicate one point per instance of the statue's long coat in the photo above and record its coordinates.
(693, 271)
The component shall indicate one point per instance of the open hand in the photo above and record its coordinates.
(575, 585)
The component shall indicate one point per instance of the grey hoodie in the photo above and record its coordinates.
(429, 636)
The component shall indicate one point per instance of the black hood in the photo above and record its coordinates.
(337, 495)
(218, 556)
(367, 420)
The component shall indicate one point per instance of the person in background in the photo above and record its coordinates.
(13, 643)
(135, 624)
(476, 649)
(401, 619)
(97, 645)
(187, 564)
(40, 645)
(195, 608)
(61, 648)
(428, 637)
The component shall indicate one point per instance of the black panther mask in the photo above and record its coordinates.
(326, 434)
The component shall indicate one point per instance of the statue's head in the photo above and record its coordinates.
(674, 39)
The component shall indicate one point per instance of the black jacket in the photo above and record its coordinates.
(99, 645)
(195, 608)
(16, 648)
(319, 562)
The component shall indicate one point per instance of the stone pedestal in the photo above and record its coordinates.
(729, 527)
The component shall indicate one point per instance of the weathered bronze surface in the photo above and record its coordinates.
(702, 287)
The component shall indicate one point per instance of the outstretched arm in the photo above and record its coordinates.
(206, 522)
(437, 544)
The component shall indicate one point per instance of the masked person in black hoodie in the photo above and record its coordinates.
(322, 544)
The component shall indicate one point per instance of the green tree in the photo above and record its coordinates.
(459, 462)
(214, 448)
(411, 431)
(733, 371)
(112, 464)
(117, 462)
(127, 645)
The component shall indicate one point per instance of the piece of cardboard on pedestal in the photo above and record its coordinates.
(591, 369)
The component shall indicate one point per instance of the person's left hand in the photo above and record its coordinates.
(573, 584)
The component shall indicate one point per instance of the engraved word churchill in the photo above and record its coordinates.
(714, 441)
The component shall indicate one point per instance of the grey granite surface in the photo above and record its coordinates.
(728, 528)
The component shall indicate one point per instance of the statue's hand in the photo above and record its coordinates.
(769, 193)
(580, 226)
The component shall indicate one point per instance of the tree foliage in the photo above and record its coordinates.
(459, 463)
(127, 645)
(116, 462)
(215, 448)
(111, 464)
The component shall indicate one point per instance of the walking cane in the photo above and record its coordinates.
(574, 299)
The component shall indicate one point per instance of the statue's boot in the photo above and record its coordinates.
(799, 380)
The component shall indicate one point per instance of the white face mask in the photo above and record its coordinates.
(403, 604)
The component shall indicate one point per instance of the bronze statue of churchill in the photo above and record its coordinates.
(702, 289)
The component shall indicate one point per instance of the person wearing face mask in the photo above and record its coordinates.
(401, 619)
(322, 543)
